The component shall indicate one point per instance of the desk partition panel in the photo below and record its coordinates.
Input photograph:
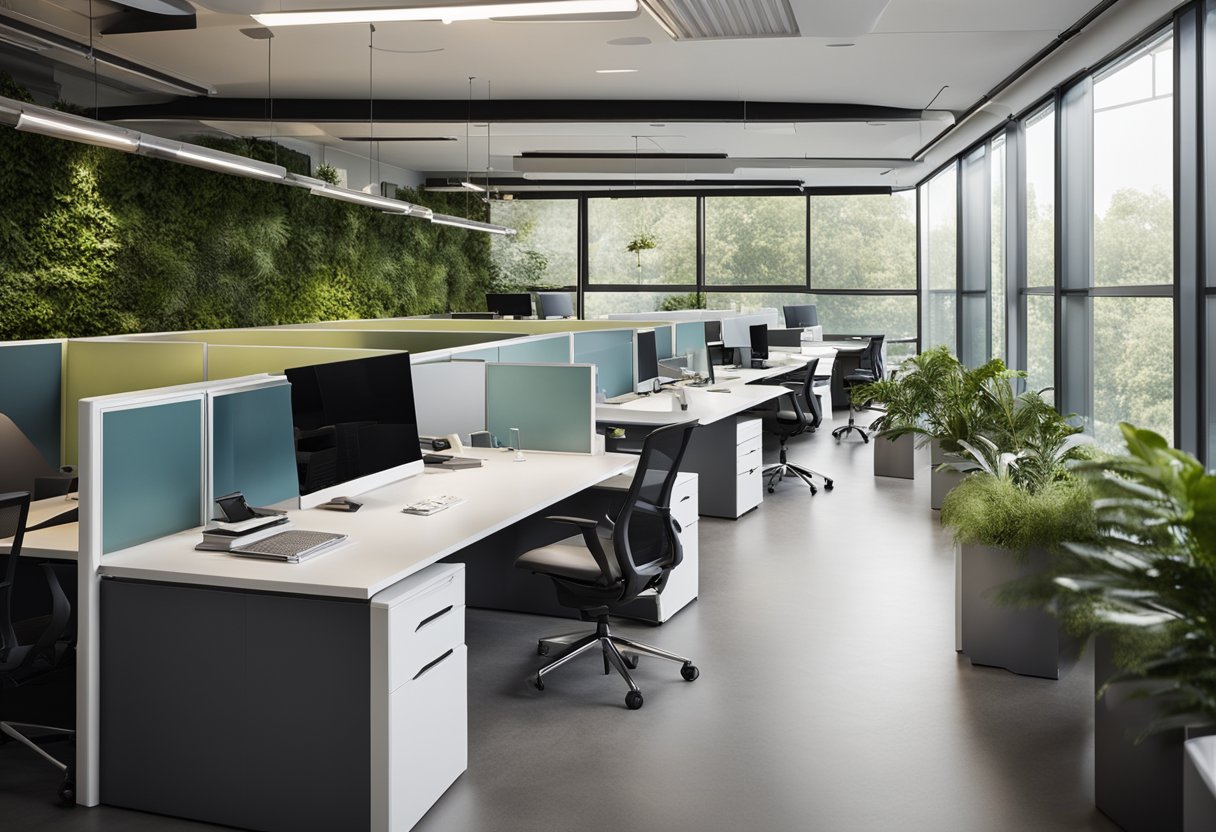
(252, 446)
(364, 338)
(689, 337)
(663, 341)
(611, 352)
(553, 405)
(31, 392)
(550, 349)
(450, 397)
(233, 361)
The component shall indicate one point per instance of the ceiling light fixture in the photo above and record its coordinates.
(838, 45)
(206, 157)
(446, 13)
(472, 225)
(382, 203)
(73, 128)
(472, 186)
(613, 71)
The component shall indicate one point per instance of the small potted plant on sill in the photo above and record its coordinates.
(642, 242)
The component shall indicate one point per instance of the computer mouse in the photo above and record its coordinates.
(342, 504)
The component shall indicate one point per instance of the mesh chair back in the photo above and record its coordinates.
(813, 412)
(14, 511)
(645, 540)
(871, 360)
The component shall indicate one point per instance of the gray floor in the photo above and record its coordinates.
(830, 698)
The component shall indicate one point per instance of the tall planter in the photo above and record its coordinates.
(1199, 785)
(941, 482)
(895, 457)
(1026, 641)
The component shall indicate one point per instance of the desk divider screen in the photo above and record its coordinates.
(450, 397)
(252, 446)
(550, 349)
(611, 352)
(515, 328)
(31, 392)
(553, 405)
(100, 368)
(232, 361)
(663, 336)
(368, 339)
(487, 354)
(689, 337)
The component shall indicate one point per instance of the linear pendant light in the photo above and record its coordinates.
(206, 157)
(446, 13)
(472, 225)
(64, 126)
(382, 203)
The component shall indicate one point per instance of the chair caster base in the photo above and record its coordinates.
(633, 700)
(690, 672)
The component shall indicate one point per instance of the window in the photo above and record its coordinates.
(755, 241)
(996, 174)
(1041, 198)
(1133, 367)
(863, 241)
(544, 250)
(599, 304)
(939, 247)
(662, 229)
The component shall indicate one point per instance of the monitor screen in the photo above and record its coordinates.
(515, 304)
(352, 419)
(713, 332)
(647, 359)
(759, 340)
(555, 305)
(801, 316)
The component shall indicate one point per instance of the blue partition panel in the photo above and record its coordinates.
(690, 337)
(152, 472)
(662, 341)
(31, 387)
(554, 349)
(252, 449)
(552, 405)
(611, 351)
(488, 354)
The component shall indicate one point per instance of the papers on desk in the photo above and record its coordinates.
(224, 537)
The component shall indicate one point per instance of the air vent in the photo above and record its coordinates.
(720, 19)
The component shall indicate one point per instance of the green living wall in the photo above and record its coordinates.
(97, 242)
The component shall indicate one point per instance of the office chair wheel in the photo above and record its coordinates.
(538, 683)
(865, 439)
(689, 672)
(771, 489)
(814, 490)
(828, 485)
(633, 700)
(67, 792)
(631, 662)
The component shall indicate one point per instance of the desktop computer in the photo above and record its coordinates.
(510, 304)
(554, 305)
(646, 361)
(801, 316)
(758, 336)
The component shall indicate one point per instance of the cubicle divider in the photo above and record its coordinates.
(366, 338)
(251, 446)
(450, 397)
(611, 351)
(31, 393)
(689, 337)
(512, 327)
(664, 335)
(234, 361)
(552, 406)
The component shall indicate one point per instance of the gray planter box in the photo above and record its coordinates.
(1199, 785)
(1140, 786)
(941, 482)
(1026, 641)
(895, 458)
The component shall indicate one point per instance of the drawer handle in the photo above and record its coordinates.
(685, 498)
(431, 618)
(752, 451)
(430, 665)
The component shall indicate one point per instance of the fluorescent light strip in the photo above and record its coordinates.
(488, 11)
(471, 225)
(217, 160)
(613, 71)
(63, 126)
(389, 206)
(471, 186)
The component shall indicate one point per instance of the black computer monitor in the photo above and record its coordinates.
(355, 425)
(514, 304)
(801, 316)
(759, 339)
(646, 358)
(554, 305)
(713, 332)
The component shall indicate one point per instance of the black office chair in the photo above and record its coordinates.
(803, 415)
(870, 370)
(642, 548)
(30, 647)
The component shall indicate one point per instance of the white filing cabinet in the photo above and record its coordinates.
(728, 457)
(419, 695)
(749, 461)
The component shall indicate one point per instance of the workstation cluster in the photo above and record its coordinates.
(206, 662)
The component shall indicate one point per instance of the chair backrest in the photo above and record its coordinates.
(14, 511)
(871, 359)
(644, 539)
(814, 410)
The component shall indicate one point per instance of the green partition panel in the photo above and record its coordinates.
(553, 349)
(252, 448)
(690, 337)
(367, 339)
(612, 354)
(662, 340)
(31, 391)
(515, 328)
(152, 472)
(99, 368)
(231, 361)
(552, 405)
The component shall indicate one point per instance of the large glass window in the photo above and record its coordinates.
(1040, 342)
(863, 241)
(755, 241)
(1041, 198)
(996, 174)
(939, 248)
(648, 241)
(544, 249)
(1133, 367)
(599, 304)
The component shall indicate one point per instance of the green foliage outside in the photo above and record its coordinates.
(543, 253)
(97, 242)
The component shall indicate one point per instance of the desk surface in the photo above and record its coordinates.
(57, 542)
(704, 406)
(385, 545)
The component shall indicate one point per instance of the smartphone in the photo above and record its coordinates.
(234, 508)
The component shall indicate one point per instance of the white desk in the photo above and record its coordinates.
(60, 542)
(704, 405)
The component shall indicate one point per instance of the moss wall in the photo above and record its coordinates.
(97, 242)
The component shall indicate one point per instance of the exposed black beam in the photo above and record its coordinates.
(322, 110)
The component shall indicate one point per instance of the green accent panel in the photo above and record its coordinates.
(515, 328)
(152, 472)
(99, 368)
(690, 337)
(252, 448)
(551, 405)
(31, 378)
(365, 339)
(230, 361)
(552, 350)
(612, 354)
(490, 354)
(662, 340)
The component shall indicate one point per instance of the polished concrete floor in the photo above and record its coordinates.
(830, 698)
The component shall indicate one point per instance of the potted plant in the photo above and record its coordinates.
(644, 241)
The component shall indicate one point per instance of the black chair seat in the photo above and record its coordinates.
(563, 560)
(786, 417)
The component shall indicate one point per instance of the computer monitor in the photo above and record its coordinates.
(355, 426)
(759, 341)
(512, 304)
(801, 316)
(474, 316)
(713, 332)
(554, 305)
(646, 360)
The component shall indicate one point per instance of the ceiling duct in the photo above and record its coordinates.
(720, 19)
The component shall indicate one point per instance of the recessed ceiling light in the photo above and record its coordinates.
(446, 13)
(839, 45)
(613, 71)
(877, 123)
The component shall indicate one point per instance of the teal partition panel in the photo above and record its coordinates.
(488, 354)
(662, 340)
(252, 450)
(152, 472)
(550, 350)
(31, 377)
(611, 351)
(552, 405)
(689, 337)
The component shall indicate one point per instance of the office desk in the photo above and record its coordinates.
(316, 696)
(54, 543)
(848, 353)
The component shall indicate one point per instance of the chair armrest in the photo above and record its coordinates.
(592, 540)
(581, 522)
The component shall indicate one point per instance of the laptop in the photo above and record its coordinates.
(293, 546)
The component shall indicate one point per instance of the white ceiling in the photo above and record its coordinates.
(916, 48)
